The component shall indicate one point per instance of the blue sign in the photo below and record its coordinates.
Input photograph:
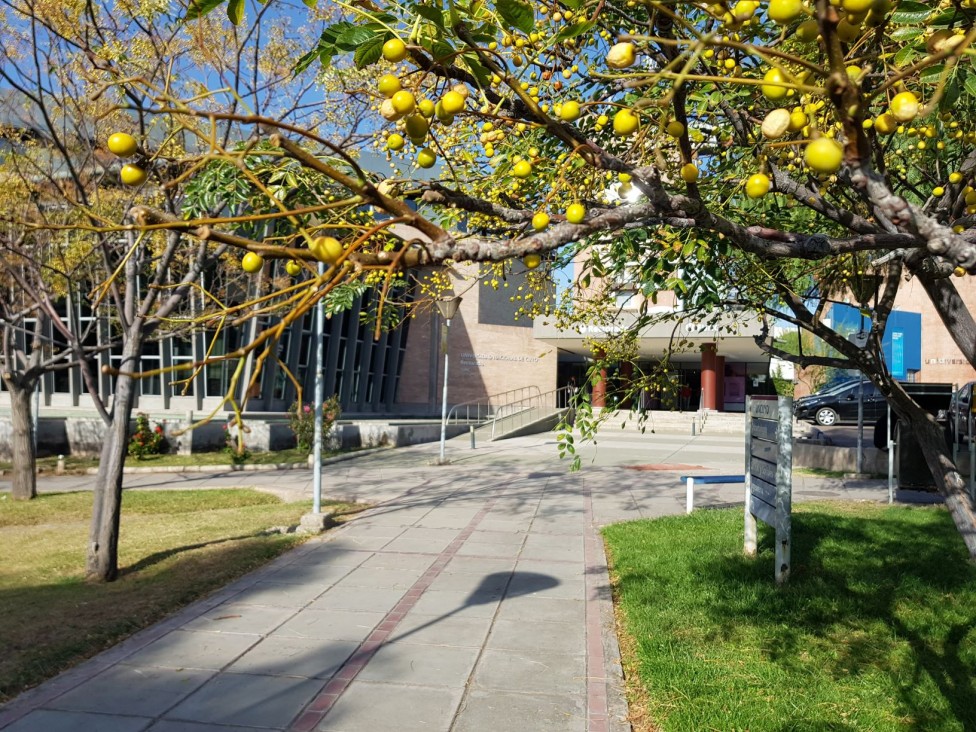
(898, 354)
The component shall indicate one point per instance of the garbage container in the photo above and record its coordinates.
(913, 471)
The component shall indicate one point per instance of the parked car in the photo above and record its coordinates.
(959, 407)
(839, 404)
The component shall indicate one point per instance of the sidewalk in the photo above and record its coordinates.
(473, 598)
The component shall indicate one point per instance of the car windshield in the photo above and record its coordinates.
(836, 388)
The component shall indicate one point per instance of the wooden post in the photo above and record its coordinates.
(750, 543)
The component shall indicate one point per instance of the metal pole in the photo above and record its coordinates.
(447, 330)
(860, 424)
(891, 458)
(319, 398)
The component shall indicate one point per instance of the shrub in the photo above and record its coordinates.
(301, 418)
(234, 444)
(146, 440)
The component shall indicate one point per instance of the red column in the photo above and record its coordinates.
(720, 383)
(598, 391)
(708, 376)
(627, 376)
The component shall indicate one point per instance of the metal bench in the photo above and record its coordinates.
(690, 481)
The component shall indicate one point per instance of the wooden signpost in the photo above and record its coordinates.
(769, 475)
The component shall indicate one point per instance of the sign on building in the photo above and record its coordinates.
(769, 475)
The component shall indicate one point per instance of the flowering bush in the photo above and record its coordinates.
(146, 440)
(302, 420)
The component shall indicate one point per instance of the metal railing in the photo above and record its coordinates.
(529, 409)
(479, 411)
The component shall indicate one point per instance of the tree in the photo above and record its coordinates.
(769, 156)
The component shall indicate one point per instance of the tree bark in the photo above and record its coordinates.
(102, 563)
(21, 391)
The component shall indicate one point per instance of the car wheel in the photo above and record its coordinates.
(826, 417)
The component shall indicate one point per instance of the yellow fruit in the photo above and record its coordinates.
(388, 111)
(675, 128)
(394, 142)
(540, 221)
(824, 155)
(293, 267)
(625, 122)
(531, 261)
(426, 108)
(798, 120)
(123, 145)
(885, 124)
(461, 89)
(394, 50)
(772, 89)
(904, 106)
(854, 72)
(416, 127)
(758, 185)
(959, 272)
(857, 6)
(575, 213)
(252, 262)
(808, 31)
(776, 124)
(388, 85)
(570, 111)
(848, 32)
(426, 158)
(955, 178)
(326, 249)
(784, 11)
(452, 103)
(404, 102)
(522, 169)
(689, 172)
(621, 56)
(938, 191)
(133, 175)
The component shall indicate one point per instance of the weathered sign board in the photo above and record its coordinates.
(769, 475)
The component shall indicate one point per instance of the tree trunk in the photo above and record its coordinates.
(103, 549)
(953, 486)
(21, 391)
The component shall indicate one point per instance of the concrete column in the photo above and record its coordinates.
(720, 383)
(708, 382)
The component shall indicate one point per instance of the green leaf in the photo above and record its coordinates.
(369, 52)
(903, 56)
(970, 84)
(351, 38)
(310, 3)
(908, 13)
(428, 12)
(516, 14)
(932, 74)
(573, 4)
(951, 94)
(571, 31)
(235, 11)
(199, 8)
(906, 34)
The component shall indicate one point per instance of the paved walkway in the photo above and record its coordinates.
(473, 598)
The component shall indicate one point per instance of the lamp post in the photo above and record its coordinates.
(447, 306)
(319, 398)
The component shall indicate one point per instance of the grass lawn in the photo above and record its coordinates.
(876, 629)
(175, 547)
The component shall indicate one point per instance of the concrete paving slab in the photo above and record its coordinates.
(292, 656)
(48, 720)
(236, 617)
(532, 671)
(426, 665)
(372, 707)
(479, 565)
(533, 609)
(383, 579)
(278, 594)
(244, 699)
(444, 602)
(193, 649)
(493, 710)
(329, 624)
(485, 549)
(389, 560)
(442, 630)
(518, 635)
(148, 691)
(359, 599)
(172, 725)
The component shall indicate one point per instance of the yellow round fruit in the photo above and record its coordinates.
(426, 108)
(522, 169)
(798, 120)
(959, 272)
(784, 11)
(625, 122)
(575, 213)
(426, 158)
(452, 103)
(404, 102)
(388, 85)
(904, 107)
(394, 50)
(885, 124)
(955, 178)
(772, 89)
(808, 31)
(938, 191)
(625, 177)
(293, 267)
(326, 249)
(252, 262)
(757, 185)
(857, 6)
(123, 144)
(689, 172)
(540, 221)
(824, 155)
(848, 32)
(621, 56)
(531, 261)
(394, 142)
(416, 127)
(133, 175)
(570, 111)
(675, 128)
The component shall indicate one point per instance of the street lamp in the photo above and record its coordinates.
(447, 306)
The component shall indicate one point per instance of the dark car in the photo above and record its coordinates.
(959, 409)
(839, 404)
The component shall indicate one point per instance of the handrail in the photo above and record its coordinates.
(483, 409)
(523, 409)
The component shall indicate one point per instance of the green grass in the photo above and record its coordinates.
(876, 629)
(176, 546)
(80, 464)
